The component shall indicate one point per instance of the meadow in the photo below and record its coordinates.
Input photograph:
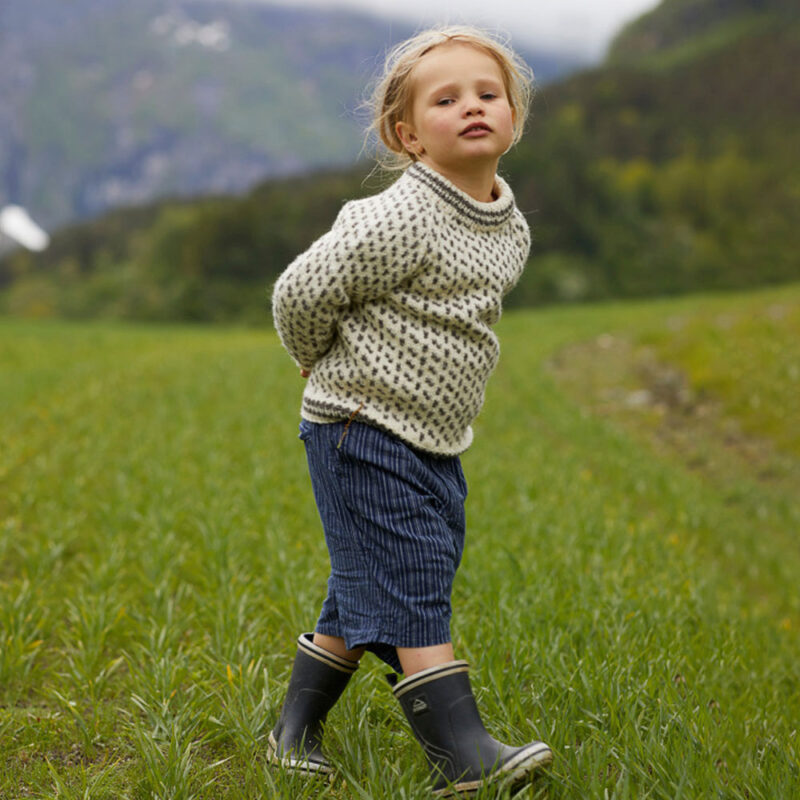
(629, 591)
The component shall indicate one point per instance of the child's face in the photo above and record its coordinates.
(460, 114)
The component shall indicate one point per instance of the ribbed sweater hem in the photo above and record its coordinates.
(327, 412)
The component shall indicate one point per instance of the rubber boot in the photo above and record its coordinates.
(464, 758)
(318, 680)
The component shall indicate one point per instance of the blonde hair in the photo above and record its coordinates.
(392, 95)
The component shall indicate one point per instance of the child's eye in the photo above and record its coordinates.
(445, 101)
(488, 96)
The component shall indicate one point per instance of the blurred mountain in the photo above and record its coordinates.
(110, 102)
(670, 168)
(683, 30)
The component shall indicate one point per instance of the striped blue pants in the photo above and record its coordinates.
(394, 525)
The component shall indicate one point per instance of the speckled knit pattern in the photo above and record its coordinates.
(392, 309)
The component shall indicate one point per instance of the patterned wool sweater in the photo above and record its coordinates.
(392, 309)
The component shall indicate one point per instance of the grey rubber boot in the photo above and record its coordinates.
(318, 680)
(464, 758)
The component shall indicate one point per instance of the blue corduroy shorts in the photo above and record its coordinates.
(394, 525)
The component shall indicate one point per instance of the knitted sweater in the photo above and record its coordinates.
(392, 309)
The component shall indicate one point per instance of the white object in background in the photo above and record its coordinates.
(16, 223)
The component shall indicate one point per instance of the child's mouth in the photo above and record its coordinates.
(476, 129)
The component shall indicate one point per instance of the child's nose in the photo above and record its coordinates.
(473, 106)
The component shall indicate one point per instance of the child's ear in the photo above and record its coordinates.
(407, 135)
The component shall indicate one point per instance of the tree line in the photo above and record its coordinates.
(637, 179)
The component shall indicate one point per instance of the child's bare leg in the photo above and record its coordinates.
(415, 659)
(335, 645)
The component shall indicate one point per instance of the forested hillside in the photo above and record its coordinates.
(669, 169)
(673, 167)
(109, 102)
(113, 103)
(679, 29)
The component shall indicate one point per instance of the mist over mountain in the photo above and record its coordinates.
(670, 168)
(107, 103)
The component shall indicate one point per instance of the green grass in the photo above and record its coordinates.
(747, 354)
(160, 552)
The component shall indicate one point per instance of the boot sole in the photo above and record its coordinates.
(301, 766)
(514, 772)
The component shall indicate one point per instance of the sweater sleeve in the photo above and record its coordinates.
(371, 249)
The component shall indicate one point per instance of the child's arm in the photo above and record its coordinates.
(368, 252)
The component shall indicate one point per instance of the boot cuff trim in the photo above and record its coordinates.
(428, 675)
(305, 643)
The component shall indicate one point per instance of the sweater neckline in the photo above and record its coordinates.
(490, 215)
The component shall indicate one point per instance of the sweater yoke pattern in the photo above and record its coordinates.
(392, 310)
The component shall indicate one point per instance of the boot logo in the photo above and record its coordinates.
(419, 705)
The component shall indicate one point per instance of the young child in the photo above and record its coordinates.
(389, 317)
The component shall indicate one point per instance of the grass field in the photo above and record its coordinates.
(629, 591)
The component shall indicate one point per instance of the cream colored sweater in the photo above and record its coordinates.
(392, 309)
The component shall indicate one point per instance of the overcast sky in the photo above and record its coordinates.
(585, 26)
